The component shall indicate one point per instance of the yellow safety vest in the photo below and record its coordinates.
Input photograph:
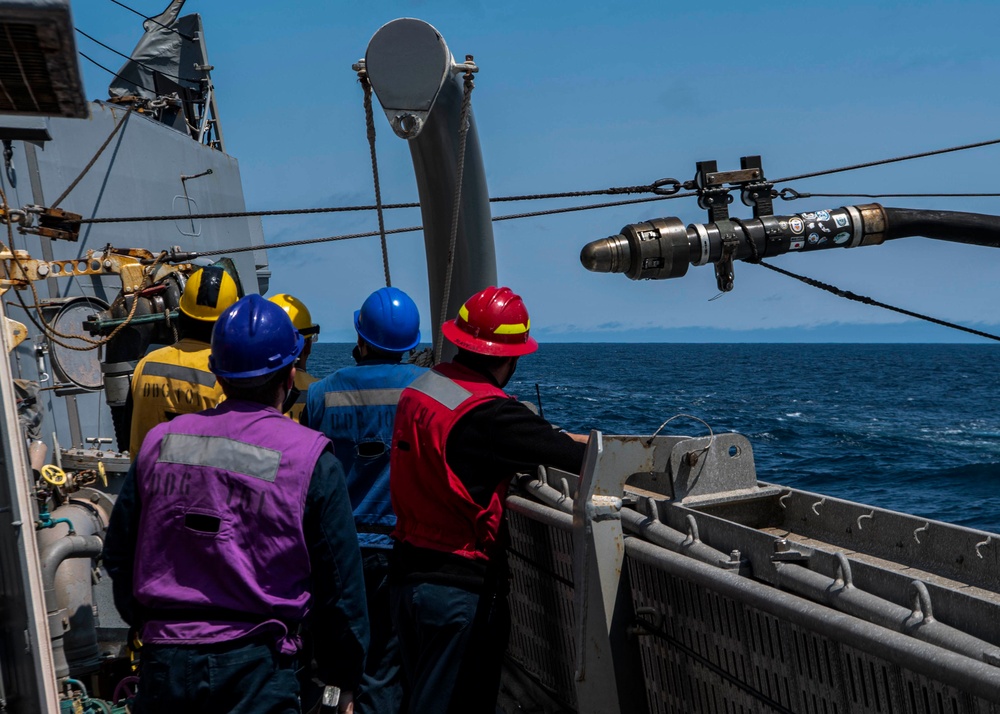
(302, 381)
(170, 381)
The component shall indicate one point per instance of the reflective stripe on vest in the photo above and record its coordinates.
(441, 389)
(365, 398)
(176, 371)
(238, 456)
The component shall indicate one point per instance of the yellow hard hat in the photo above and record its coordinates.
(298, 313)
(208, 293)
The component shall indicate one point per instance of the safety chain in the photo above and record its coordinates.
(370, 122)
(93, 161)
(463, 132)
(847, 294)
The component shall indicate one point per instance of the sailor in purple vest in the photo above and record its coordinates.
(355, 407)
(233, 530)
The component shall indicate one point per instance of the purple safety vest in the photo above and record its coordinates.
(220, 539)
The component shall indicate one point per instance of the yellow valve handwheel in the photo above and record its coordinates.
(54, 475)
(102, 473)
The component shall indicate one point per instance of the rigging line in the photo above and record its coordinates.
(413, 229)
(144, 66)
(572, 209)
(118, 125)
(370, 123)
(880, 162)
(387, 206)
(801, 194)
(305, 241)
(154, 21)
(111, 71)
(463, 133)
(847, 294)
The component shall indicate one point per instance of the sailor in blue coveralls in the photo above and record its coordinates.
(355, 408)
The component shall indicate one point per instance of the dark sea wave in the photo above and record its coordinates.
(914, 428)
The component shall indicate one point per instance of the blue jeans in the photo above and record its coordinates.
(381, 688)
(249, 678)
(452, 643)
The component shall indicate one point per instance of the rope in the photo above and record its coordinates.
(370, 122)
(880, 162)
(412, 229)
(463, 132)
(129, 58)
(111, 71)
(154, 21)
(304, 241)
(614, 191)
(90, 164)
(787, 194)
(870, 301)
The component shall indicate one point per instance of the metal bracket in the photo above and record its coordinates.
(756, 192)
(713, 196)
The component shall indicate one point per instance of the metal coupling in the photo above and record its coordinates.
(654, 250)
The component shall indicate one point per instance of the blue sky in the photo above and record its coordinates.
(586, 95)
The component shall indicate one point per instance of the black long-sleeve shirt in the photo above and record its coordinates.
(485, 448)
(338, 609)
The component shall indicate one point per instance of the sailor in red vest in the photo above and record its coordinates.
(232, 529)
(458, 441)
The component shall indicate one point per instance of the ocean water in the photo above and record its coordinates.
(913, 428)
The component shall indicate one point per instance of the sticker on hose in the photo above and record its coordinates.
(796, 225)
(796, 244)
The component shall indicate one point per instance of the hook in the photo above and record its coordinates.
(923, 529)
(816, 505)
(921, 601)
(843, 571)
(781, 501)
(693, 529)
(654, 512)
(983, 544)
(863, 517)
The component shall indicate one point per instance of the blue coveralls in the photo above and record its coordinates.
(355, 407)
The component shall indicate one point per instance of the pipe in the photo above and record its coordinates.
(844, 596)
(53, 555)
(963, 673)
(540, 512)
(666, 537)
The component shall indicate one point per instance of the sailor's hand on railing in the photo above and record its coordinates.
(580, 438)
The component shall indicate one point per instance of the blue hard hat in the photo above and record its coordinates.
(252, 338)
(389, 321)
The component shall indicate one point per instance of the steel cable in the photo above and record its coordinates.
(848, 295)
(880, 162)
(463, 132)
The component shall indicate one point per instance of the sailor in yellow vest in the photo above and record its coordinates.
(302, 320)
(175, 379)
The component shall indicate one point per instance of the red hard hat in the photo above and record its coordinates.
(492, 322)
